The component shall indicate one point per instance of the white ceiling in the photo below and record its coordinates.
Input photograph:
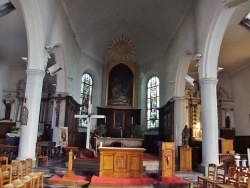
(150, 25)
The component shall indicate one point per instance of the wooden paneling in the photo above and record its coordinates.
(72, 108)
(241, 143)
(5, 127)
(168, 158)
(226, 146)
(121, 162)
(166, 122)
(125, 118)
(185, 159)
(227, 133)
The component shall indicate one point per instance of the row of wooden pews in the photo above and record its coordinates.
(19, 174)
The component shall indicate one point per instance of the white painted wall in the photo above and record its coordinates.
(16, 73)
(4, 73)
(240, 87)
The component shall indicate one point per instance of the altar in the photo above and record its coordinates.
(125, 142)
(121, 162)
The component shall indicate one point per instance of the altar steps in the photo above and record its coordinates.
(93, 185)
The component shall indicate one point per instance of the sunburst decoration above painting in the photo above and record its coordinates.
(121, 47)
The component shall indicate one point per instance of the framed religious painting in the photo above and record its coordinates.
(119, 119)
(120, 84)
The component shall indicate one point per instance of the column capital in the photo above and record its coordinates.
(205, 81)
(35, 72)
(179, 99)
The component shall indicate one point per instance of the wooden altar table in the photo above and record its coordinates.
(126, 142)
(121, 162)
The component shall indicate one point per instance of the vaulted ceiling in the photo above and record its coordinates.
(150, 25)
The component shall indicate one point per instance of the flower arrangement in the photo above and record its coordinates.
(100, 130)
(137, 131)
(15, 130)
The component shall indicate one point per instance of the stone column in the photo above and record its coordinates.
(29, 125)
(179, 120)
(210, 142)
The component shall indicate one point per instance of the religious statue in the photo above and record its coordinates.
(227, 122)
(185, 136)
(24, 117)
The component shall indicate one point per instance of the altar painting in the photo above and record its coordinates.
(120, 86)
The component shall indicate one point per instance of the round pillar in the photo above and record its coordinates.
(29, 127)
(210, 142)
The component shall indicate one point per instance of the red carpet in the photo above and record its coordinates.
(173, 181)
(77, 181)
(145, 180)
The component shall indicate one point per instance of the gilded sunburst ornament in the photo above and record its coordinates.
(121, 47)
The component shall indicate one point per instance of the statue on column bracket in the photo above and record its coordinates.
(7, 109)
(25, 114)
(21, 85)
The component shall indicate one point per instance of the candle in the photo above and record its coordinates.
(100, 144)
(132, 120)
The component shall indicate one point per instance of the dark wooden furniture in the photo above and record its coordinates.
(5, 127)
(72, 108)
(227, 133)
(166, 122)
(121, 162)
(8, 151)
(241, 143)
(117, 119)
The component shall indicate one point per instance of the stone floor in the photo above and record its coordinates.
(59, 166)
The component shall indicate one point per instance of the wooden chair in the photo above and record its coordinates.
(243, 180)
(202, 180)
(29, 165)
(29, 172)
(242, 169)
(220, 177)
(15, 168)
(22, 178)
(4, 160)
(42, 151)
(6, 173)
(232, 179)
(35, 182)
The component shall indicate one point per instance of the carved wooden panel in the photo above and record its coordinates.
(121, 162)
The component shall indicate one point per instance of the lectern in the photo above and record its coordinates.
(69, 178)
(70, 173)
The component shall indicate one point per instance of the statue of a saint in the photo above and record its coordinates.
(185, 136)
(227, 122)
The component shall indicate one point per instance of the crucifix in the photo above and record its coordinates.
(89, 117)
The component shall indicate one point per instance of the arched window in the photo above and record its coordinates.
(86, 97)
(153, 101)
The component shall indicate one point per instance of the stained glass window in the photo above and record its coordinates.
(153, 101)
(86, 97)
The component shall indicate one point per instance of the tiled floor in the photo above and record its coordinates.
(59, 166)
